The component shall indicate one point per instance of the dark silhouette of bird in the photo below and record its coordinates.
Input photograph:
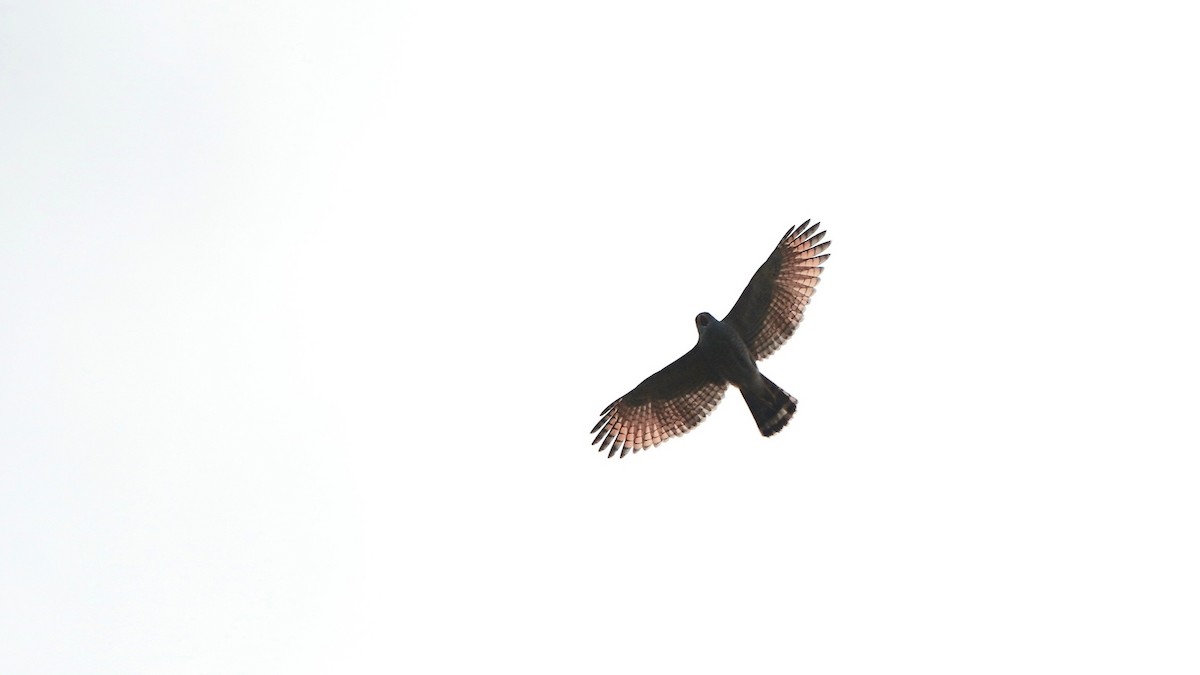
(675, 399)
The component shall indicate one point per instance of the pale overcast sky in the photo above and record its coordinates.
(306, 311)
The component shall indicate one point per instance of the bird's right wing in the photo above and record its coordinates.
(668, 403)
(772, 306)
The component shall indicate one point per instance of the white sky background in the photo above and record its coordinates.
(307, 310)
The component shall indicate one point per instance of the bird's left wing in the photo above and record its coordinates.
(668, 403)
(772, 305)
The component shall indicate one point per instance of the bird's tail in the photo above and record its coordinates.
(771, 406)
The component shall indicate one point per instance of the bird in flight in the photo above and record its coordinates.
(677, 398)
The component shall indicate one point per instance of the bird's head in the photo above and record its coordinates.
(703, 321)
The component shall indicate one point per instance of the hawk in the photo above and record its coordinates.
(677, 398)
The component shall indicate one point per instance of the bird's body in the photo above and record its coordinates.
(678, 397)
(725, 351)
(729, 357)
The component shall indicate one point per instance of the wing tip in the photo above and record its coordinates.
(794, 231)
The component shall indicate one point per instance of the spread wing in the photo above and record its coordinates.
(668, 403)
(773, 303)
